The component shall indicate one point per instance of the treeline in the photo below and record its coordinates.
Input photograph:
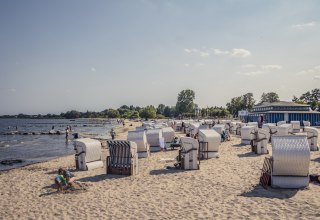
(184, 108)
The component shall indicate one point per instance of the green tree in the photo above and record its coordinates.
(185, 102)
(160, 109)
(244, 102)
(72, 114)
(269, 97)
(113, 113)
(311, 98)
(148, 112)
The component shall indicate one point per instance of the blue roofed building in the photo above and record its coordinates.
(283, 111)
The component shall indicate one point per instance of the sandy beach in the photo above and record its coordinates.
(223, 188)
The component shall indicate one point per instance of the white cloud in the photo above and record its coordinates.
(247, 66)
(271, 67)
(242, 53)
(316, 77)
(93, 69)
(304, 25)
(191, 50)
(256, 70)
(253, 73)
(186, 64)
(204, 54)
(220, 52)
(236, 52)
(315, 69)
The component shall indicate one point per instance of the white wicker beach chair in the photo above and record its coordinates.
(88, 154)
(271, 127)
(220, 128)
(312, 134)
(281, 123)
(289, 165)
(253, 124)
(260, 142)
(140, 138)
(247, 134)
(168, 134)
(189, 153)
(153, 139)
(209, 142)
(295, 126)
(284, 129)
(306, 123)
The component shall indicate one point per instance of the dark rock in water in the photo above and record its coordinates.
(10, 162)
(44, 133)
(25, 133)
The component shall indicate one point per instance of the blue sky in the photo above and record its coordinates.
(91, 55)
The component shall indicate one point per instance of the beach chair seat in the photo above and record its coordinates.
(209, 142)
(289, 165)
(154, 137)
(140, 138)
(123, 159)
(295, 126)
(88, 154)
(248, 134)
(312, 135)
(189, 154)
(260, 141)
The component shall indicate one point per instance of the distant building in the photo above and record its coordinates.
(283, 111)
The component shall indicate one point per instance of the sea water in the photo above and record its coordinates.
(37, 147)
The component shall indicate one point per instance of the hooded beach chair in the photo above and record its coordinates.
(295, 126)
(260, 141)
(209, 142)
(88, 154)
(154, 137)
(123, 159)
(220, 128)
(140, 138)
(271, 127)
(312, 135)
(189, 153)
(288, 167)
(248, 134)
(168, 134)
(284, 129)
(306, 123)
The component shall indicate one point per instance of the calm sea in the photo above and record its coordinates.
(37, 147)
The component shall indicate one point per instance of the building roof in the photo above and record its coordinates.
(298, 112)
(280, 103)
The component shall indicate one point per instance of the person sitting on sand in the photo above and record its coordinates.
(69, 177)
(64, 178)
(59, 180)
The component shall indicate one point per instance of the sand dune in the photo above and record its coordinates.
(223, 188)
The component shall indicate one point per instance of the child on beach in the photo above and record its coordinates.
(112, 133)
(64, 178)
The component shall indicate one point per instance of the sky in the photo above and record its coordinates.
(57, 56)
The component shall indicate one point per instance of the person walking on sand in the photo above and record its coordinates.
(112, 133)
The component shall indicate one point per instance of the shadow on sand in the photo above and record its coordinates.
(101, 177)
(166, 171)
(249, 154)
(239, 145)
(259, 191)
(316, 160)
